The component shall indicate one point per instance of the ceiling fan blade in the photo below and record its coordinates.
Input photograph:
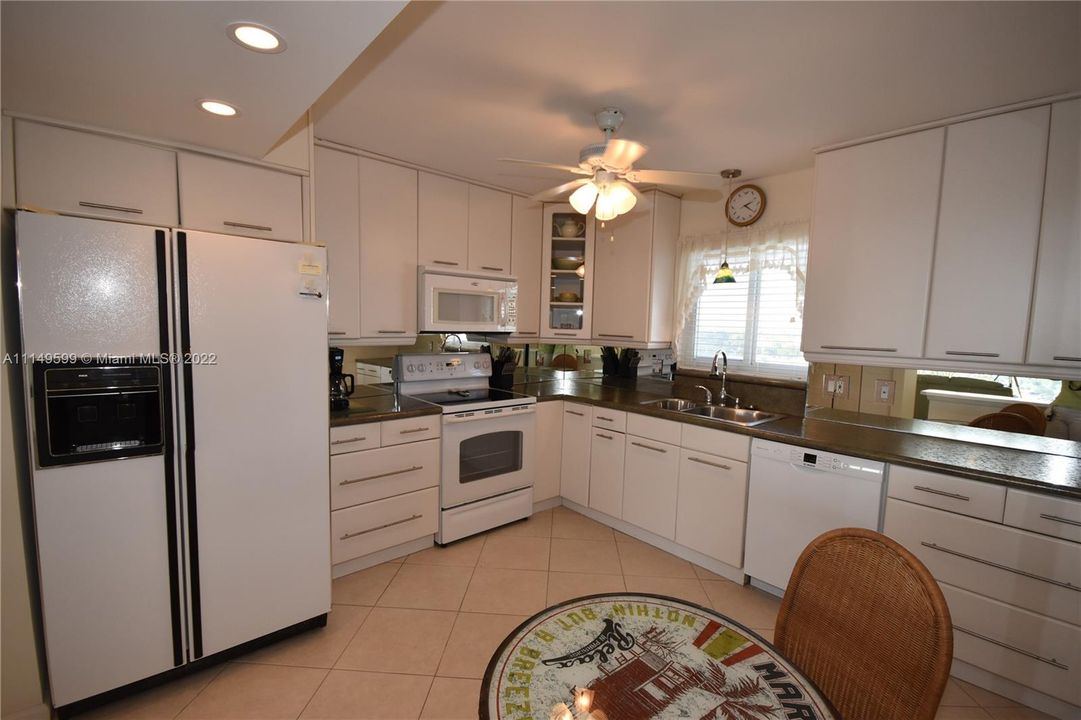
(559, 190)
(620, 154)
(554, 166)
(678, 178)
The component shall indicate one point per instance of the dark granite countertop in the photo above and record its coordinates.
(375, 403)
(1029, 468)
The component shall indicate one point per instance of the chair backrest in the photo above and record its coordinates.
(864, 619)
(1031, 413)
(1005, 421)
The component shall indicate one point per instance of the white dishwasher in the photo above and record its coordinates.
(797, 494)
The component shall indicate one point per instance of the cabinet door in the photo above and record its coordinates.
(442, 221)
(872, 240)
(606, 471)
(388, 251)
(574, 473)
(337, 225)
(712, 505)
(622, 258)
(650, 485)
(989, 223)
(549, 450)
(230, 197)
(566, 296)
(527, 245)
(1055, 335)
(489, 230)
(86, 174)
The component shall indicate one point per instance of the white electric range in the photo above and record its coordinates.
(488, 441)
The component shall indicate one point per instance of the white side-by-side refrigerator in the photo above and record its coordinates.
(177, 417)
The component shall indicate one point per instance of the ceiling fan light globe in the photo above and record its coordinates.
(582, 198)
(623, 198)
(606, 206)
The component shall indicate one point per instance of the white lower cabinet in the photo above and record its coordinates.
(650, 486)
(574, 465)
(363, 529)
(606, 471)
(549, 450)
(360, 477)
(712, 505)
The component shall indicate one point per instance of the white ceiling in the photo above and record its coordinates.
(141, 67)
(706, 85)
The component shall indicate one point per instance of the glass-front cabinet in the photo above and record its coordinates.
(568, 267)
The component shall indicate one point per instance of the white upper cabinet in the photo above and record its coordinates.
(388, 252)
(230, 197)
(527, 245)
(337, 225)
(567, 274)
(871, 247)
(1055, 338)
(489, 230)
(640, 244)
(989, 224)
(443, 221)
(86, 174)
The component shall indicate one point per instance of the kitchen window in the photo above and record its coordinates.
(757, 320)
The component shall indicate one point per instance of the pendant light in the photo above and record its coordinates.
(724, 273)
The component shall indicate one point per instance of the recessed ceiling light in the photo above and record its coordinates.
(217, 107)
(256, 37)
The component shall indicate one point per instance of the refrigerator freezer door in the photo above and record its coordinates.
(259, 497)
(104, 571)
(87, 286)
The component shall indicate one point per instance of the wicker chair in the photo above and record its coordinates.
(1031, 413)
(864, 619)
(1005, 421)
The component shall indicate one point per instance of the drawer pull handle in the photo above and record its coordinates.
(247, 226)
(606, 437)
(403, 471)
(943, 493)
(575, 412)
(347, 440)
(1026, 653)
(566, 334)
(380, 527)
(967, 353)
(625, 337)
(489, 267)
(649, 447)
(114, 208)
(711, 464)
(391, 332)
(524, 332)
(1056, 518)
(857, 347)
(606, 419)
(410, 431)
(1067, 358)
(444, 262)
(336, 332)
(1041, 578)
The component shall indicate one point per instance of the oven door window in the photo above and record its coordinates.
(489, 455)
(464, 307)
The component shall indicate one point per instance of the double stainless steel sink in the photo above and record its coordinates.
(736, 416)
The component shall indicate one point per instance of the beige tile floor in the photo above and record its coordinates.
(411, 638)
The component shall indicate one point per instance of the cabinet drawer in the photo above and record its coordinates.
(376, 474)
(968, 497)
(230, 197)
(87, 174)
(1045, 514)
(664, 431)
(716, 442)
(611, 419)
(1031, 571)
(364, 529)
(396, 432)
(1033, 650)
(349, 438)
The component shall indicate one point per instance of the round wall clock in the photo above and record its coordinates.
(745, 205)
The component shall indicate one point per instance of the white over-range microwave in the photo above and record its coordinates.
(466, 301)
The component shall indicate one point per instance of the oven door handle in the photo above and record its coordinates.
(476, 415)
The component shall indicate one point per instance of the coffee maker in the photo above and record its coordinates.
(340, 390)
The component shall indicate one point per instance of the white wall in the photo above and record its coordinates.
(788, 198)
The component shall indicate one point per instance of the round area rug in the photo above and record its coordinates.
(626, 656)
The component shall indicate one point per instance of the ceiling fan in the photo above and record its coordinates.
(609, 174)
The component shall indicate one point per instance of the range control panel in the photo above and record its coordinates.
(442, 366)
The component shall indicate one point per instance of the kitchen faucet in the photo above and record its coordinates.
(724, 377)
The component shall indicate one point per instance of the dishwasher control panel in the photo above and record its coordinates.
(816, 459)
